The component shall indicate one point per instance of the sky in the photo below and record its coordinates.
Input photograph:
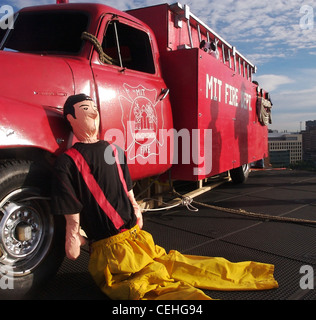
(278, 36)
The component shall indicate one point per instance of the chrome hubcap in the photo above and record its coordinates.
(26, 231)
(21, 230)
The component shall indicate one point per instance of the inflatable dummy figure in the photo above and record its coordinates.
(92, 188)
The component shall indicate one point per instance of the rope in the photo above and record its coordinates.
(244, 212)
(103, 56)
(185, 201)
(163, 208)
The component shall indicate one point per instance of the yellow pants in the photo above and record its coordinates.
(129, 266)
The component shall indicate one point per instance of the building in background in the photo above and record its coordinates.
(285, 148)
(309, 142)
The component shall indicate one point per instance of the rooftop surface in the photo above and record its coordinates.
(211, 232)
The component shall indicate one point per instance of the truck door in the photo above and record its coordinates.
(134, 108)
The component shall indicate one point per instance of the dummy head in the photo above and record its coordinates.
(83, 116)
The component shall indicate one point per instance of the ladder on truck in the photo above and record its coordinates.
(225, 51)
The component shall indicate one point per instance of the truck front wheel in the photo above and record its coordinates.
(31, 239)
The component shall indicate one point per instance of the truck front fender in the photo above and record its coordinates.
(28, 125)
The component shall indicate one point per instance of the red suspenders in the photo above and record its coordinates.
(119, 168)
(94, 187)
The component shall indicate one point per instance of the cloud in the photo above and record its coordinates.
(258, 26)
(18, 4)
(291, 122)
(292, 106)
(272, 82)
(293, 96)
(260, 58)
(295, 102)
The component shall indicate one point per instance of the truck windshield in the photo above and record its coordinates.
(47, 32)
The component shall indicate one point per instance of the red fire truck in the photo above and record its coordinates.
(171, 92)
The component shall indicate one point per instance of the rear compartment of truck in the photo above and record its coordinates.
(212, 95)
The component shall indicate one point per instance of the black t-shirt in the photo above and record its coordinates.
(71, 195)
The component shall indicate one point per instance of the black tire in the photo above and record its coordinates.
(31, 238)
(240, 174)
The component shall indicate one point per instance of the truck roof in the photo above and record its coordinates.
(96, 10)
